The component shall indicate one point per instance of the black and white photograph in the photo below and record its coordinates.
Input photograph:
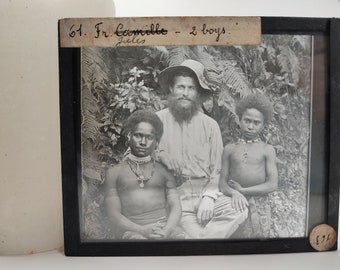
(196, 142)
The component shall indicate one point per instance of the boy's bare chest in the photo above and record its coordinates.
(147, 177)
(248, 153)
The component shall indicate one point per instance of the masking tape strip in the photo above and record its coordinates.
(159, 31)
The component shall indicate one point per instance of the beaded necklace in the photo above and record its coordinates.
(139, 160)
(134, 163)
(243, 141)
(245, 150)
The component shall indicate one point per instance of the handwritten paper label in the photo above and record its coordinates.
(159, 31)
(322, 237)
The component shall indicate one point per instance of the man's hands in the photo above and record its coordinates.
(205, 210)
(171, 163)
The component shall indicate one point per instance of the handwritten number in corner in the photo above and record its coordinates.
(323, 239)
(74, 31)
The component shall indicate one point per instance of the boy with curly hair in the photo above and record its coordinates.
(249, 170)
(141, 197)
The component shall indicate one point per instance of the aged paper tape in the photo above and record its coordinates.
(159, 31)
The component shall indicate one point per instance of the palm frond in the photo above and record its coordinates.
(89, 110)
(233, 78)
(212, 71)
(178, 54)
(93, 64)
(289, 63)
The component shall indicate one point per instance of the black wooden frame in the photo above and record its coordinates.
(69, 66)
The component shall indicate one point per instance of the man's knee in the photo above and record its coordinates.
(190, 225)
(223, 208)
(243, 215)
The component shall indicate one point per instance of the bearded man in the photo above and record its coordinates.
(191, 147)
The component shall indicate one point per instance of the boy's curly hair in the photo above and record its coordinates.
(255, 101)
(147, 116)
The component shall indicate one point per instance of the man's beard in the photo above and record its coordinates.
(180, 113)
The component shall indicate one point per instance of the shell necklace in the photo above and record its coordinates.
(245, 150)
(134, 164)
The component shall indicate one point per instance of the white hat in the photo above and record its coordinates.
(197, 70)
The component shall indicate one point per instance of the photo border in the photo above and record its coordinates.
(69, 67)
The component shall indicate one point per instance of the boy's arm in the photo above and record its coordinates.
(113, 206)
(271, 176)
(238, 202)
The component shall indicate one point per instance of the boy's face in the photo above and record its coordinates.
(252, 123)
(142, 140)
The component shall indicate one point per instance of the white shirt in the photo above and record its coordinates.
(198, 144)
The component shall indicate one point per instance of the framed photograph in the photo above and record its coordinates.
(199, 135)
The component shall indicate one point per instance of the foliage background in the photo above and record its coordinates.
(118, 81)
